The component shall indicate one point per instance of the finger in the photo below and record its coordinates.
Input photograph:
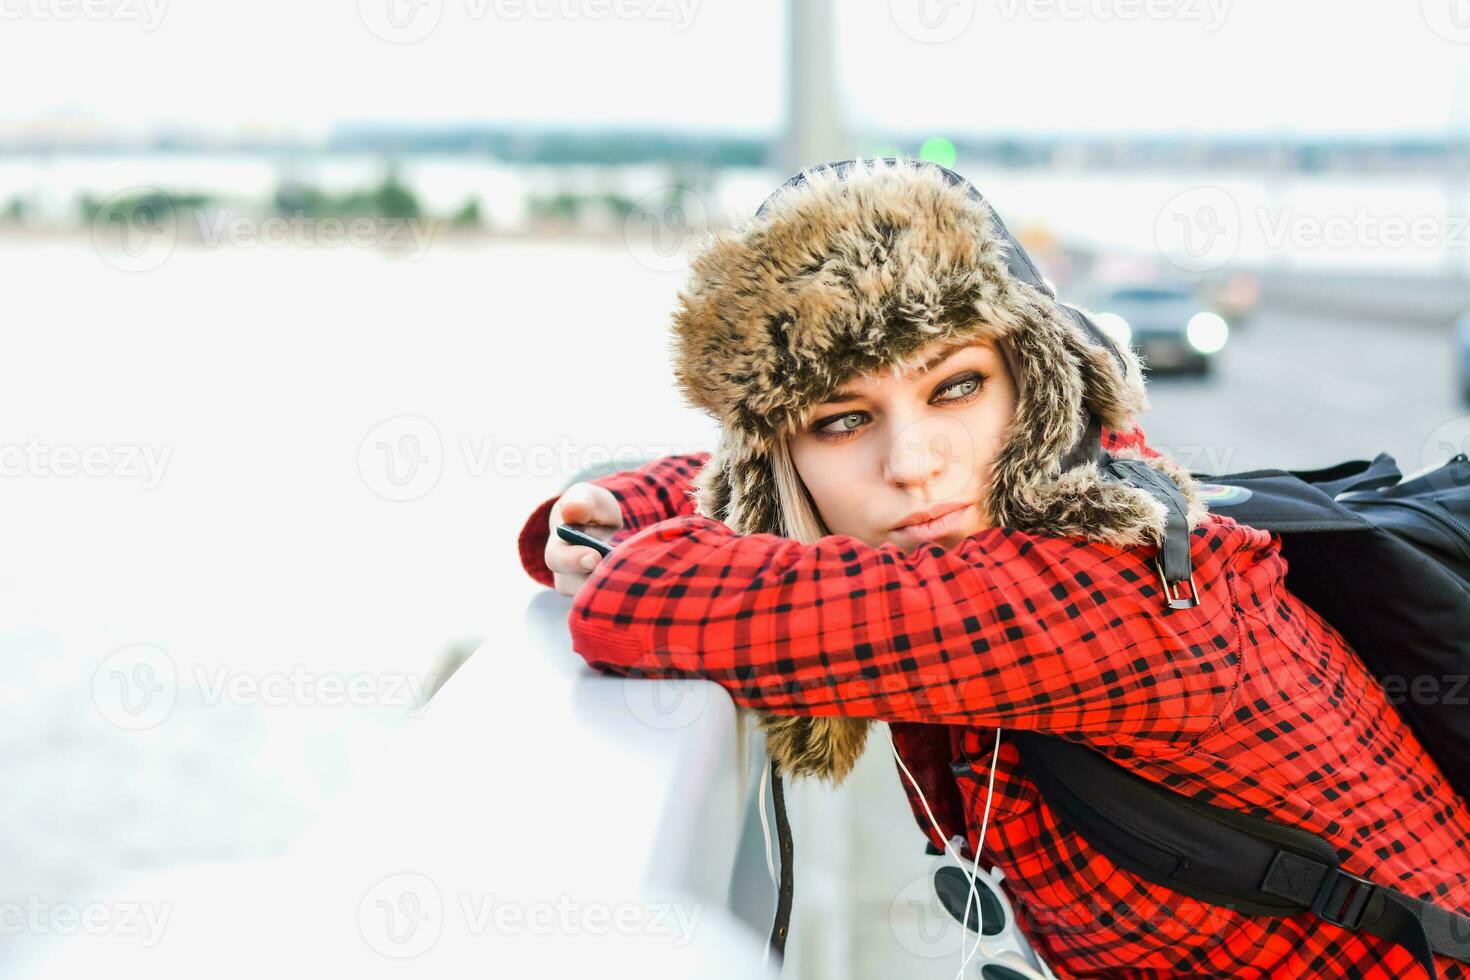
(572, 559)
(576, 506)
(606, 511)
(588, 503)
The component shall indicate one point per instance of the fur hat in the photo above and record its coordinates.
(859, 265)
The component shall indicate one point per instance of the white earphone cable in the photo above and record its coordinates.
(765, 824)
(973, 896)
(975, 867)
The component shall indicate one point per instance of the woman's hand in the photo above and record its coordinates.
(582, 504)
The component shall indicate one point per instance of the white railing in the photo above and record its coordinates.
(538, 819)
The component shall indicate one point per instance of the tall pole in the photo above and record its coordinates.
(823, 821)
(815, 132)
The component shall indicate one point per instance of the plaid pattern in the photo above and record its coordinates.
(1249, 701)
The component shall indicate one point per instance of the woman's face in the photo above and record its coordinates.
(884, 450)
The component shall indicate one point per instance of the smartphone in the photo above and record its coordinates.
(570, 534)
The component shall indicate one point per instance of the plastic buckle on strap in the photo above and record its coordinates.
(1343, 898)
(1177, 599)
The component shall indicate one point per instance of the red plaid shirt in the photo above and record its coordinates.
(1249, 700)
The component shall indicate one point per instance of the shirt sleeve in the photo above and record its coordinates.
(653, 492)
(1009, 629)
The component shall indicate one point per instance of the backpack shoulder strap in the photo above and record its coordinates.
(1175, 564)
(1226, 857)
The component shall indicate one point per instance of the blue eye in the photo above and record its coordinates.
(969, 385)
(841, 430)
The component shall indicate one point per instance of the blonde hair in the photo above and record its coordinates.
(799, 518)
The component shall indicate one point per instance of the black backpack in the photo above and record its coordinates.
(1346, 532)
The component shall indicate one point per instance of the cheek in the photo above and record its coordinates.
(830, 478)
(991, 423)
(994, 422)
(986, 425)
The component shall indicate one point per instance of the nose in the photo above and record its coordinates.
(920, 456)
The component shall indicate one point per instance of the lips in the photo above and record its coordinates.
(941, 521)
(933, 513)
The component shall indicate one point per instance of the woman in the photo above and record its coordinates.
(893, 528)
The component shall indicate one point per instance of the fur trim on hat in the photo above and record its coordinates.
(844, 275)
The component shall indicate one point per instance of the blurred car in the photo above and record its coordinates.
(1234, 298)
(1168, 325)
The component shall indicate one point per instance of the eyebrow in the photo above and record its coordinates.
(944, 354)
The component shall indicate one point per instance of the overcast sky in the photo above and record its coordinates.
(950, 66)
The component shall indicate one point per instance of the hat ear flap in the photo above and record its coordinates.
(1061, 374)
(1115, 394)
(737, 488)
(1046, 423)
(1079, 502)
(825, 747)
(711, 486)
